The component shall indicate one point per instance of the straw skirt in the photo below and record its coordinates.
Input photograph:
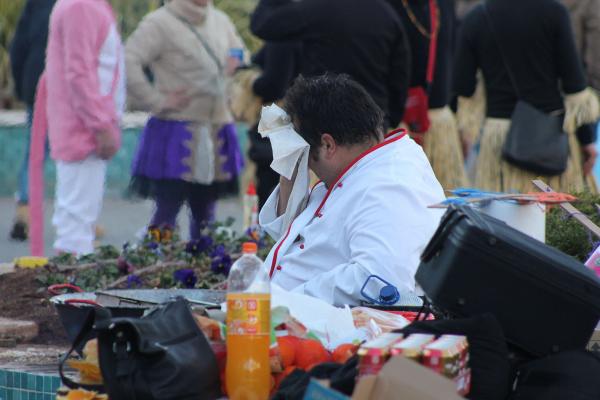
(443, 149)
(494, 174)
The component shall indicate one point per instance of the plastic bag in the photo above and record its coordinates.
(377, 322)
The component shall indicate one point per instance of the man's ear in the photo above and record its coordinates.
(328, 144)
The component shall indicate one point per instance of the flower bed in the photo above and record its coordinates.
(161, 260)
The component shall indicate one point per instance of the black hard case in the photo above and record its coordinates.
(545, 300)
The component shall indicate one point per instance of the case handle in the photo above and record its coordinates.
(451, 218)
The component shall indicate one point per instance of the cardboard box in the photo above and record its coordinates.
(405, 379)
(400, 378)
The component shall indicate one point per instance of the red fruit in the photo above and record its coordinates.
(310, 353)
(344, 352)
(288, 348)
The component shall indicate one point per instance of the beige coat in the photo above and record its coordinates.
(585, 18)
(179, 61)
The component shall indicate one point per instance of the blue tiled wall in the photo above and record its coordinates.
(12, 153)
(15, 385)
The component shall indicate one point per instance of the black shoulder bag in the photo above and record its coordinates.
(535, 141)
(162, 355)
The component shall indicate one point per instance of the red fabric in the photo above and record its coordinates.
(416, 113)
(432, 42)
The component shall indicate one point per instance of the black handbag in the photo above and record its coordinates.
(162, 355)
(569, 375)
(535, 141)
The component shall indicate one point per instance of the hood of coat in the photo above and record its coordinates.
(190, 10)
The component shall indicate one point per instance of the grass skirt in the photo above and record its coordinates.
(443, 149)
(494, 174)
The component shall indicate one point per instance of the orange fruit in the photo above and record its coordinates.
(288, 347)
(344, 352)
(80, 394)
(311, 352)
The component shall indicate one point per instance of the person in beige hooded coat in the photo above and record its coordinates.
(189, 144)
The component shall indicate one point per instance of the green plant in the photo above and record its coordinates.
(239, 11)
(10, 10)
(568, 235)
(161, 260)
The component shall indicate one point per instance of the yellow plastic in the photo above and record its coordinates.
(31, 262)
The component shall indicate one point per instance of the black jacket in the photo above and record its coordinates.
(362, 38)
(28, 48)
(280, 64)
(538, 42)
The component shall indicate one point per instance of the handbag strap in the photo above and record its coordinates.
(434, 26)
(502, 54)
(201, 39)
(86, 328)
(434, 21)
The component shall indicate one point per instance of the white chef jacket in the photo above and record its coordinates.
(373, 220)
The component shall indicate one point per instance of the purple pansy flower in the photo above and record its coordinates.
(133, 281)
(221, 265)
(124, 266)
(186, 277)
(221, 261)
(198, 246)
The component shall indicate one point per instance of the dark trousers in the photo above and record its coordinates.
(200, 198)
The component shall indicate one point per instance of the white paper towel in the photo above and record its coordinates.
(289, 150)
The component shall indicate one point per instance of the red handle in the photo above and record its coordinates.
(55, 289)
(82, 301)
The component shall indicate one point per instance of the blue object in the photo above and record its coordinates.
(596, 170)
(316, 391)
(237, 53)
(388, 294)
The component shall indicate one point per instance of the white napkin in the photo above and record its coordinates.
(289, 150)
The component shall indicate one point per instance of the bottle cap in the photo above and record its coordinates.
(388, 294)
(251, 190)
(249, 247)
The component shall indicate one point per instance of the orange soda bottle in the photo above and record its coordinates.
(248, 372)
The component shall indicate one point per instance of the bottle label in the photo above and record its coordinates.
(248, 314)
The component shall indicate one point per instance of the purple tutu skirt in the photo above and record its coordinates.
(162, 151)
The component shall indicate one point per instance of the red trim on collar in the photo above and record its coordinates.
(388, 139)
(391, 133)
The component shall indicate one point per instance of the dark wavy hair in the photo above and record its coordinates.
(334, 104)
